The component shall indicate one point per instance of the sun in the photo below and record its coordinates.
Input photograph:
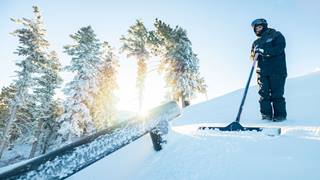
(154, 92)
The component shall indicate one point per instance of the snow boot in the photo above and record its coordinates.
(266, 117)
(279, 119)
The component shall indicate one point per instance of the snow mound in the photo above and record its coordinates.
(302, 96)
(193, 154)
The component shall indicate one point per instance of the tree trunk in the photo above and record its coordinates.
(6, 133)
(184, 102)
(46, 142)
(36, 142)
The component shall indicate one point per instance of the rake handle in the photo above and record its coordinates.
(246, 88)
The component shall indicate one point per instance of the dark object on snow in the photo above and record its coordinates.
(156, 140)
(158, 135)
(236, 126)
(186, 103)
(272, 73)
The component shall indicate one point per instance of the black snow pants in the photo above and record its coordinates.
(271, 90)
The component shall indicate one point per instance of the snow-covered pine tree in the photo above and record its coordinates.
(45, 77)
(135, 45)
(6, 96)
(51, 127)
(85, 52)
(178, 62)
(46, 84)
(20, 130)
(31, 48)
(105, 98)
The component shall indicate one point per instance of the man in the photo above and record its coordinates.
(271, 70)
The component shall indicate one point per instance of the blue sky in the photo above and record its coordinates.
(219, 30)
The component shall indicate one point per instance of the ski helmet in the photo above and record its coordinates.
(259, 21)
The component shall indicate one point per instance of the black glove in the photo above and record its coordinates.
(259, 51)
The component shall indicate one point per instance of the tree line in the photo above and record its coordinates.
(29, 111)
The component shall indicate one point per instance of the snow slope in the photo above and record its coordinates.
(192, 154)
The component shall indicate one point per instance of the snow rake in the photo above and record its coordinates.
(235, 125)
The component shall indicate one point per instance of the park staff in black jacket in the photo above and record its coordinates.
(271, 70)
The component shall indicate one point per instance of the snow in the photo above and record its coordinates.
(17, 154)
(124, 163)
(201, 155)
(193, 154)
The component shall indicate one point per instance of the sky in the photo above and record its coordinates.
(220, 33)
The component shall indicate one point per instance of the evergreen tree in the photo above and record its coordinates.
(44, 92)
(135, 45)
(105, 98)
(85, 62)
(32, 47)
(178, 62)
(51, 127)
(6, 96)
(20, 130)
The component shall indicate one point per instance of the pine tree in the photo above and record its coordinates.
(32, 45)
(178, 62)
(20, 129)
(44, 92)
(85, 62)
(6, 96)
(51, 127)
(105, 98)
(135, 45)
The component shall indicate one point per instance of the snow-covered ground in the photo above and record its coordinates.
(18, 154)
(193, 154)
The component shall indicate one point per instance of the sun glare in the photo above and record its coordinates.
(143, 113)
(153, 95)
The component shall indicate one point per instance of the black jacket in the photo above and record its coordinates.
(273, 60)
